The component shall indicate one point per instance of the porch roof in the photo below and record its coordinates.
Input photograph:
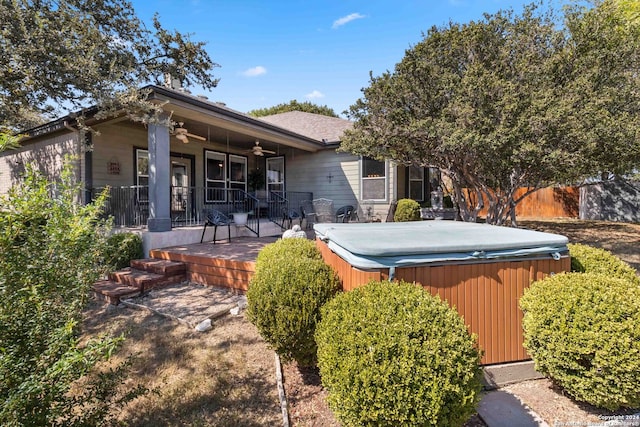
(202, 117)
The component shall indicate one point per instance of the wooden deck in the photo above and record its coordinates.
(227, 264)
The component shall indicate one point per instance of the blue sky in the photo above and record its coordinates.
(273, 51)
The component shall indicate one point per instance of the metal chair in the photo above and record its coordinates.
(289, 215)
(216, 218)
(308, 213)
(344, 213)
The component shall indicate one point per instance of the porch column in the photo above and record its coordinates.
(159, 178)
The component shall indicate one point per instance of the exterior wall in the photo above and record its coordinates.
(336, 176)
(46, 154)
(611, 201)
(117, 142)
(485, 294)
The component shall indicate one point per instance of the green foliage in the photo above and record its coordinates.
(507, 102)
(581, 329)
(391, 354)
(287, 249)
(587, 259)
(285, 296)
(120, 249)
(293, 105)
(112, 54)
(50, 246)
(8, 141)
(407, 210)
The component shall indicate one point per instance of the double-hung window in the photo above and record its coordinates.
(373, 180)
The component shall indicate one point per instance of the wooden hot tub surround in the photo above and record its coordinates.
(485, 293)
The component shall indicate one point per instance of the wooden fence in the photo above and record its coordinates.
(549, 202)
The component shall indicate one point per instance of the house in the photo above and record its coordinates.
(161, 180)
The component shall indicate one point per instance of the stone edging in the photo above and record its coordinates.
(281, 394)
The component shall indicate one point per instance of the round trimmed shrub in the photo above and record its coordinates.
(582, 330)
(284, 300)
(587, 259)
(407, 210)
(121, 248)
(287, 249)
(392, 354)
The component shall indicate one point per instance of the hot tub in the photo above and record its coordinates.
(479, 269)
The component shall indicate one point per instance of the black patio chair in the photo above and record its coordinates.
(344, 213)
(289, 215)
(216, 218)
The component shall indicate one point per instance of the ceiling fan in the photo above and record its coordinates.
(182, 134)
(259, 151)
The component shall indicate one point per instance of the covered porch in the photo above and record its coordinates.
(166, 178)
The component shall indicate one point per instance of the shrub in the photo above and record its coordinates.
(587, 259)
(50, 247)
(391, 354)
(288, 249)
(581, 329)
(407, 210)
(121, 248)
(285, 296)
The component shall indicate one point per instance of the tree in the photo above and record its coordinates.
(294, 105)
(51, 254)
(82, 52)
(500, 104)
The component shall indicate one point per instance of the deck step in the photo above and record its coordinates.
(111, 291)
(144, 280)
(159, 266)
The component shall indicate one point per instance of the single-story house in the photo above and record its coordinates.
(161, 180)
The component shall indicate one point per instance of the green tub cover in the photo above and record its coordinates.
(397, 244)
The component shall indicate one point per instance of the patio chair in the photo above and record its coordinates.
(290, 215)
(216, 218)
(344, 213)
(324, 210)
(308, 213)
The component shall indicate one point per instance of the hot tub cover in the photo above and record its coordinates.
(396, 244)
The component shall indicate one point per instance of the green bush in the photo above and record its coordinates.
(287, 249)
(582, 330)
(391, 354)
(121, 248)
(50, 248)
(285, 296)
(407, 210)
(587, 259)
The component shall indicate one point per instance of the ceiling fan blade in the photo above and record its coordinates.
(269, 151)
(201, 138)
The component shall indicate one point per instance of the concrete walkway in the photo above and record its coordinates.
(501, 409)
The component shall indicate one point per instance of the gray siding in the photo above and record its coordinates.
(336, 176)
(46, 155)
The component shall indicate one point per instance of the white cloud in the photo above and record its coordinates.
(346, 19)
(255, 71)
(315, 94)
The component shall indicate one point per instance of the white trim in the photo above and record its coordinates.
(363, 179)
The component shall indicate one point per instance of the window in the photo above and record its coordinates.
(238, 172)
(373, 179)
(416, 183)
(142, 174)
(275, 175)
(215, 176)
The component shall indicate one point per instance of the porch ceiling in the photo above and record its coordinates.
(219, 124)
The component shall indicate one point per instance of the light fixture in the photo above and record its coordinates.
(182, 137)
